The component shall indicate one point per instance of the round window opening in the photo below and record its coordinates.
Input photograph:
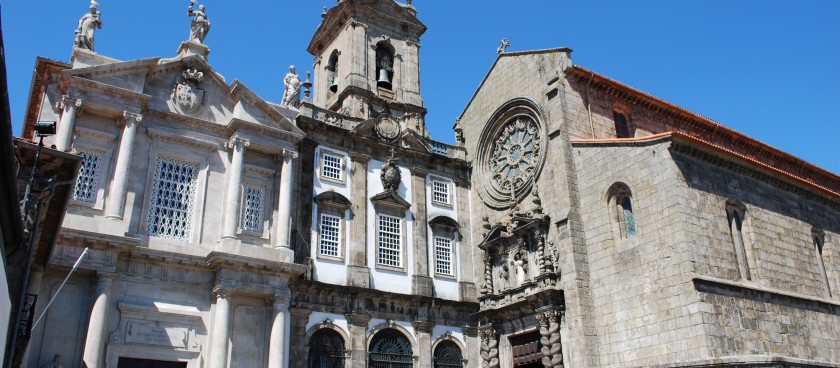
(511, 154)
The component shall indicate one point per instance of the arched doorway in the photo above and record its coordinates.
(326, 350)
(390, 349)
(448, 355)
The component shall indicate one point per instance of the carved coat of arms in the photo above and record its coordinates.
(186, 96)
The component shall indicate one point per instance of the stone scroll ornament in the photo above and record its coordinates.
(489, 349)
(186, 96)
(88, 24)
(552, 350)
(390, 174)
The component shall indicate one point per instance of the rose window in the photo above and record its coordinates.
(516, 155)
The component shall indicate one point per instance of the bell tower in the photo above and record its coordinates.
(367, 61)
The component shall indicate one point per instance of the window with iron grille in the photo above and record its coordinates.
(331, 167)
(390, 234)
(326, 350)
(252, 218)
(448, 355)
(443, 256)
(90, 176)
(172, 199)
(440, 191)
(330, 236)
(390, 349)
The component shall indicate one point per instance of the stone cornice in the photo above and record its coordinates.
(177, 137)
(86, 85)
(707, 128)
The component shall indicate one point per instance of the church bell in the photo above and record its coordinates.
(383, 79)
(334, 85)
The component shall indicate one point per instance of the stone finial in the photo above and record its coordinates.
(536, 200)
(503, 46)
(200, 25)
(86, 28)
(324, 13)
(307, 85)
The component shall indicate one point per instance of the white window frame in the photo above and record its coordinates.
(94, 140)
(342, 169)
(256, 176)
(338, 236)
(445, 184)
(181, 150)
(452, 261)
(400, 243)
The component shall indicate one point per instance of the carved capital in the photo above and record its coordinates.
(359, 157)
(67, 101)
(358, 319)
(425, 327)
(221, 293)
(289, 154)
(132, 116)
(234, 141)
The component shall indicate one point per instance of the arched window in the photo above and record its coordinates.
(735, 217)
(384, 65)
(818, 237)
(326, 350)
(390, 349)
(332, 68)
(448, 355)
(621, 199)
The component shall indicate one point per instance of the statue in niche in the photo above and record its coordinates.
(87, 26)
(390, 174)
(520, 266)
(291, 94)
(200, 24)
(54, 363)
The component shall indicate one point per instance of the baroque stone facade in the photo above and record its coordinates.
(577, 222)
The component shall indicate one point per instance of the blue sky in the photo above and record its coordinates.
(766, 68)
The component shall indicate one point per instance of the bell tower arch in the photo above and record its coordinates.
(367, 56)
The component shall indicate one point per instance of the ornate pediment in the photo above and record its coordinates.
(389, 200)
(333, 199)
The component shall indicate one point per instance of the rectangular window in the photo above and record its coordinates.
(443, 256)
(440, 191)
(90, 174)
(390, 239)
(253, 208)
(622, 130)
(331, 167)
(330, 236)
(172, 199)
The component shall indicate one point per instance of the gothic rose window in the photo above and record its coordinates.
(516, 155)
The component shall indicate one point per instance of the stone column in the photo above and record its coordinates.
(550, 342)
(468, 260)
(358, 274)
(97, 333)
(234, 190)
(221, 330)
(278, 345)
(64, 135)
(116, 203)
(421, 283)
(284, 216)
(489, 347)
(424, 342)
(357, 324)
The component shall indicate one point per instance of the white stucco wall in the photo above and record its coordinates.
(328, 270)
(387, 280)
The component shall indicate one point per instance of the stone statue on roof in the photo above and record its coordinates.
(88, 24)
(200, 24)
(291, 93)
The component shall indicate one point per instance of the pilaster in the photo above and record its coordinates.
(97, 333)
(64, 136)
(358, 274)
(357, 324)
(116, 203)
(422, 284)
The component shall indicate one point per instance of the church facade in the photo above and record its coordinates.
(576, 222)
